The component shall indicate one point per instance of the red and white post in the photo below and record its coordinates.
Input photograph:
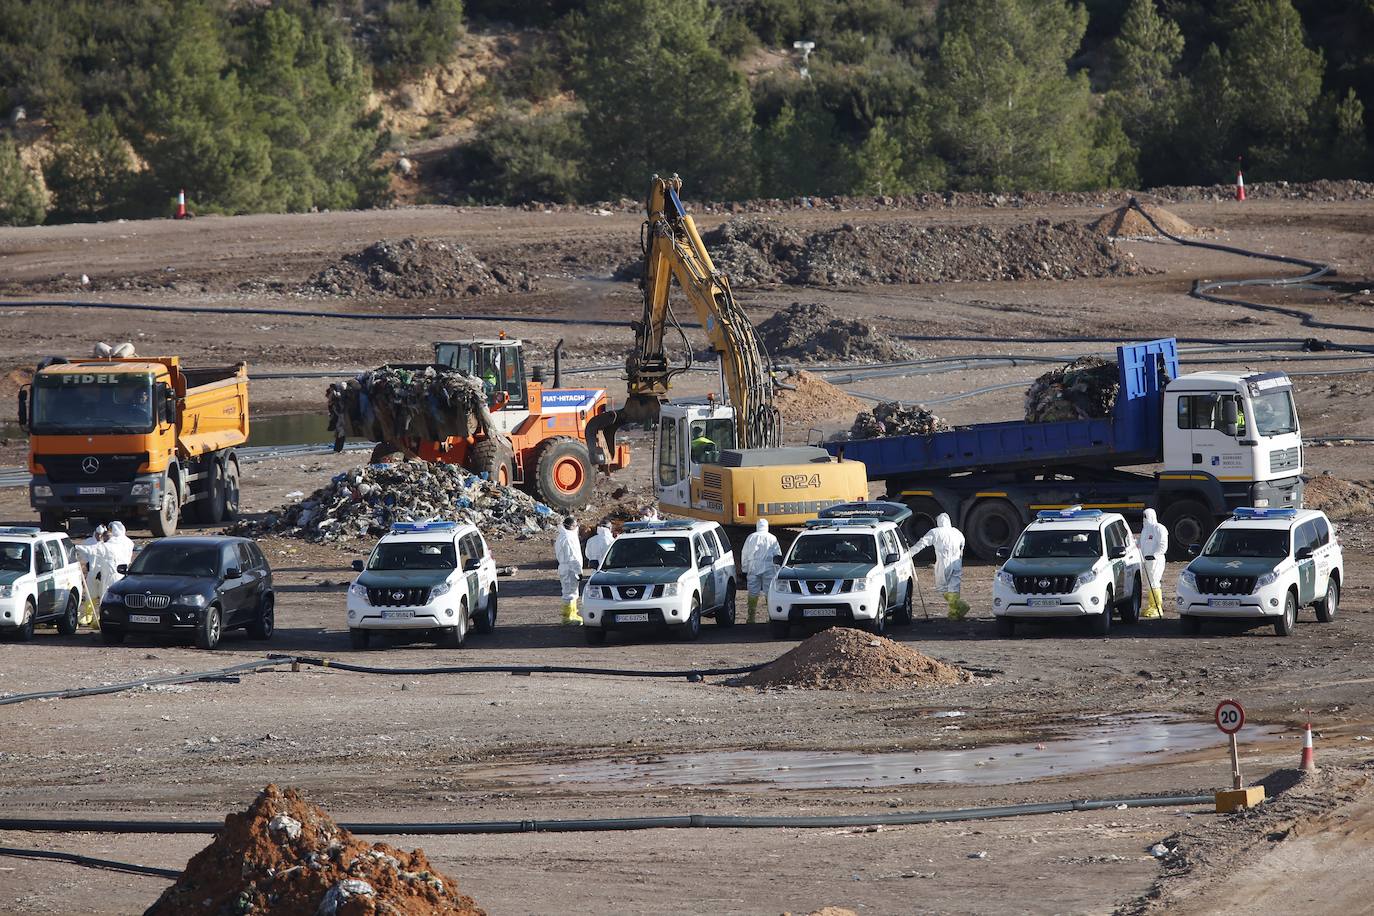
(1309, 762)
(1240, 185)
(181, 205)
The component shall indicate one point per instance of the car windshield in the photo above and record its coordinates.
(637, 553)
(1274, 413)
(93, 402)
(1062, 543)
(14, 557)
(168, 558)
(1247, 542)
(834, 548)
(395, 555)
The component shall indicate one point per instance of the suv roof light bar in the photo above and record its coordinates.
(1250, 512)
(419, 527)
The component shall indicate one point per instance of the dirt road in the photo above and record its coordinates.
(497, 747)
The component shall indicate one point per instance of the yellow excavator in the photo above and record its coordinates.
(717, 460)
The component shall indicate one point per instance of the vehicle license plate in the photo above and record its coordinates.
(1223, 602)
(397, 615)
(631, 618)
(144, 618)
(1044, 602)
(818, 612)
(91, 491)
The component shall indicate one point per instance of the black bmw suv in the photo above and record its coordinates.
(196, 585)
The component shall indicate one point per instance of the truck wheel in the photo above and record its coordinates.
(562, 474)
(164, 523)
(231, 490)
(992, 524)
(66, 624)
(1188, 522)
(1326, 608)
(488, 457)
(52, 521)
(210, 507)
(924, 511)
(1288, 620)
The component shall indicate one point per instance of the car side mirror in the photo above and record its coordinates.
(24, 408)
(1117, 553)
(1304, 553)
(169, 407)
(891, 558)
(122, 569)
(471, 564)
(1230, 417)
(1003, 553)
(233, 572)
(777, 560)
(358, 565)
(703, 562)
(1194, 549)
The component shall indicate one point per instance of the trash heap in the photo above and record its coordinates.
(285, 856)
(1085, 389)
(363, 504)
(810, 331)
(416, 269)
(404, 406)
(892, 419)
(842, 658)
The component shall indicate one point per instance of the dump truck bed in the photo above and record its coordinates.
(213, 408)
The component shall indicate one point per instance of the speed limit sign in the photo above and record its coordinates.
(1230, 716)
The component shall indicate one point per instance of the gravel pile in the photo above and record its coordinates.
(811, 399)
(416, 268)
(1084, 389)
(755, 252)
(842, 658)
(1339, 499)
(892, 419)
(390, 404)
(285, 856)
(362, 504)
(813, 333)
(1127, 223)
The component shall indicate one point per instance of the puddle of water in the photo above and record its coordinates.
(271, 431)
(1104, 743)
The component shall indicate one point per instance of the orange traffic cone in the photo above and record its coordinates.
(1240, 185)
(181, 205)
(1309, 763)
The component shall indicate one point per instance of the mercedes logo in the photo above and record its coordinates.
(90, 464)
(397, 596)
(1224, 583)
(1043, 583)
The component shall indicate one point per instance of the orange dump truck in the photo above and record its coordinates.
(138, 439)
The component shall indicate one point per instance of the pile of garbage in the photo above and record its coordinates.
(416, 268)
(842, 658)
(1127, 223)
(810, 331)
(1085, 389)
(285, 856)
(890, 418)
(405, 406)
(363, 504)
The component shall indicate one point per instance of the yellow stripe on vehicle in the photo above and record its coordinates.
(1184, 477)
(981, 495)
(917, 493)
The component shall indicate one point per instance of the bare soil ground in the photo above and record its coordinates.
(427, 748)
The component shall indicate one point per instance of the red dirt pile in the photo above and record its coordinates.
(286, 856)
(1340, 499)
(841, 658)
(811, 399)
(1127, 223)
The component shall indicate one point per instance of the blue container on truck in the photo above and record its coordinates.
(992, 478)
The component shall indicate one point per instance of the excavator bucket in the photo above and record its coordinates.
(638, 408)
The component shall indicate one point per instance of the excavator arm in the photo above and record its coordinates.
(673, 248)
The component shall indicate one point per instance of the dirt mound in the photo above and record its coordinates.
(846, 659)
(1340, 499)
(364, 502)
(810, 331)
(811, 399)
(1127, 223)
(755, 252)
(416, 268)
(285, 856)
(1084, 389)
(892, 419)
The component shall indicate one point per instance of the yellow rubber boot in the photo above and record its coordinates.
(958, 608)
(753, 608)
(1154, 604)
(574, 618)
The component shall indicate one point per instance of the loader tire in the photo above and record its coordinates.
(488, 457)
(562, 474)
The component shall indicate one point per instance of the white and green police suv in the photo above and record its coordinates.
(436, 576)
(40, 581)
(852, 565)
(1263, 564)
(1069, 563)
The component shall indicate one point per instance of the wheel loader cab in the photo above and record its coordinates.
(500, 364)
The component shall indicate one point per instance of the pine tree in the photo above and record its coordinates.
(89, 170)
(878, 164)
(21, 198)
(1278, 75)
(1144, 57)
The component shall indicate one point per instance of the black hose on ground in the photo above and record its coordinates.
(603, 824)
(90, 862)
(691, 674)
(78, 692)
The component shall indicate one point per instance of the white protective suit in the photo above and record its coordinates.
(756, 561)
(100, 563)
(598, 545)
(1154, 544)
(121, 545)
(567, 550)
(948, 542)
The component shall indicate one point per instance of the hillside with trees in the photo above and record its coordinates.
(285, 105)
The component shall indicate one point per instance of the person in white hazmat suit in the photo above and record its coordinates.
(99, 558)
(598, 545)
(1154, 544)
(756, 558)
(122, 546)
(948, 542)
(567, 550)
